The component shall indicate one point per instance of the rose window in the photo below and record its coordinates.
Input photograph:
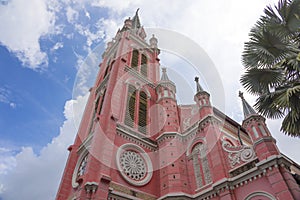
(133, 165)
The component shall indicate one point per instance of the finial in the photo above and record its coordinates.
(198, 86)
(164, 76)
(241, 95)
(137, 10)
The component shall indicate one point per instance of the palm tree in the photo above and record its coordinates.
(271, 59)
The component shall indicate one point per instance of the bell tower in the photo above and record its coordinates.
(111, 151)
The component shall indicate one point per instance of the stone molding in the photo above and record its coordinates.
(137, 158)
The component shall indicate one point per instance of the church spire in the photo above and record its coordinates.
(248, 110)
(136, 20)
(164, 76)
(199, 88)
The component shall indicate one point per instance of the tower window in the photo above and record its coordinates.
(82, 166)
(136, 110)
(101, 103)
(130, 108)
(144, 65)
(263, 131)
(135, 59)
(201, 167)
(143, 113)
(255, 132)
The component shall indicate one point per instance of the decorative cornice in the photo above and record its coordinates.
(102, 85)
(140, 42)
(264, 139)
(251, 118)
(139, 76)
(136, 137)
(260, 170)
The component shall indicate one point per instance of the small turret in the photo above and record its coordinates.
(153, 41)
(202, 98)
(263, 143)
(166, 92)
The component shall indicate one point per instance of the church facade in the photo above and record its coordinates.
(136, 142)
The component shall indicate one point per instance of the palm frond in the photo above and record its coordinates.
(264, 49)
(291, 124)
(266, 107)
(258, 81)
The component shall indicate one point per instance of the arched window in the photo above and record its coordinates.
(255, 131)
(143, 112)
(82, 166)
(101, 103)
(201, 166)
(135, 59)
(130, 107)
(144, 66)
(263, 130)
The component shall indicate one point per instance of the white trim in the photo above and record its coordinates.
(260, 193)
(144, 155)
(74, 177)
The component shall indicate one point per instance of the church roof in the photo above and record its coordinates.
(248, 110)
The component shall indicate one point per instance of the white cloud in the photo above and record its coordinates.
(58, 45)
(22, 25)
(72, 15)
(6, 97)
(38, 176)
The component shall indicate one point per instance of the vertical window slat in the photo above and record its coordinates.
(143, 113)
(130, 108)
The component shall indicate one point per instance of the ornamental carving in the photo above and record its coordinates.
(134, 164)
(237, 154)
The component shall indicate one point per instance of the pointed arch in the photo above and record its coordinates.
(144, 65)
(101, 102)
(130, 107)
(135, 59)
(201, 166)
(143, 112)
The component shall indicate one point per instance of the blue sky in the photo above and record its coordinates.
(43, 48)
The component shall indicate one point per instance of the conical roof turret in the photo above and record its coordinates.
(247, 109)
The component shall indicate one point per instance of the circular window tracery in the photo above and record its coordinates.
(134, 164)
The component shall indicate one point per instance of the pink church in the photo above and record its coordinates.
(136, 142)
